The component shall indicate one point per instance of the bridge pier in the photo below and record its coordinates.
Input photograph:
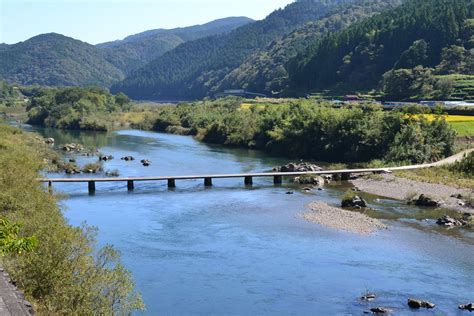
(277, 179)
(91, 187)
(130, 185)
(345, 176)
(208, 182)
(50, 187)
(248, 181)
(171, 183)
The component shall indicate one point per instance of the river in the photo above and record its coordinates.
(232, 250)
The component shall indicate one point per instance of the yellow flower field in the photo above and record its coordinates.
(449, 118)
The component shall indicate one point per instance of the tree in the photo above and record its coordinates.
(10, 242)
(453, 60)
(415, 55)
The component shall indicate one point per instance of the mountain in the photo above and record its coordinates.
(56, 60)
(266, 70)
(415, 39)
(136, 50)
(193, 68)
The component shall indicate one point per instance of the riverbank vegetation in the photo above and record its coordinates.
(305, 129)
(63, 273)
(295, 128)
(75, 108)
(459, 174)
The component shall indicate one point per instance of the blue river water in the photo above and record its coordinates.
(234, 250)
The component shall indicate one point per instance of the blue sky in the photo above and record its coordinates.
(105, 20)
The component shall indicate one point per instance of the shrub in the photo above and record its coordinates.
(64, 273)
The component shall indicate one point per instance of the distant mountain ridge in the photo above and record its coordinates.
(193, 68)
(186, 33)
(55, 59)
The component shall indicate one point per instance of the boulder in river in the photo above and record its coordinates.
(128, 158)
(424, 200)
(72, 147)
(416, 304)
(378, 310)
(106, 157)
(355, 201)
(467, 307)
(298, 167)
(368, 297)
(145, 162)
(49, 141)
(448, 221)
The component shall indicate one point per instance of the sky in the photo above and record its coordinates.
(106, 20)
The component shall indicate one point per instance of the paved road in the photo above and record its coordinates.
(12, 302)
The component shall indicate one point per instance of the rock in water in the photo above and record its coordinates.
(145, 162)
(424, 200)
(380, 310)
(413, 303)
(448, 221)
(356, 201)
(368, 297)
(467, 307)
(49, 141)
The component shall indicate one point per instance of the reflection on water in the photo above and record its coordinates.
(231, 249)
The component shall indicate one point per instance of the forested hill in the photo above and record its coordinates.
(191, 69)
(401, 49)
(136, 50)
(265, 71)
(54, 59)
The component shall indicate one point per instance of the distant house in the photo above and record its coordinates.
(351, 98)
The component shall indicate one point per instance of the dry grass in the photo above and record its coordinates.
(438, 176)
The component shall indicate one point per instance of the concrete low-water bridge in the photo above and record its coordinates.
(247, 177)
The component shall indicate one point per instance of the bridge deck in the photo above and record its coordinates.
(277, 176)
(236, 175)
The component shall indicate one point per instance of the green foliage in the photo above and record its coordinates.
(193, 68)
(304, 129)
(266, 70)
(465, 165)
(137, 50)
(10, 242)
(348, 197)
(75, 108)
(418, 35)
(56, 60)
(63, 274)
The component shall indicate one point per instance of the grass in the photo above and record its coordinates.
(463, 128)
(438, 175)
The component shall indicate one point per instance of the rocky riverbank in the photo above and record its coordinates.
(390, 186)
(338, 218)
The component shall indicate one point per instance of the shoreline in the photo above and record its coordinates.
(398, 188)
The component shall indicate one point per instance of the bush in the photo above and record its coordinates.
(64, 273)
(465, 165)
